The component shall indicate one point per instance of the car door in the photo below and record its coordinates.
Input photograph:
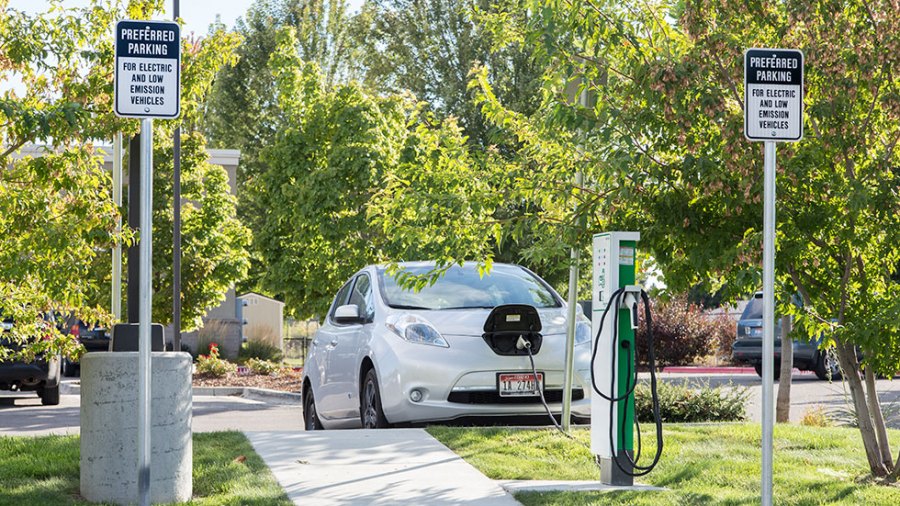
(322, 357)
(347, 346)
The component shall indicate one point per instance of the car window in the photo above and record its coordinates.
(362, 296)
(340, 299)
(754, 309)
(463, 287)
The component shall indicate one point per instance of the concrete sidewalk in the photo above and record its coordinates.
(357, 467)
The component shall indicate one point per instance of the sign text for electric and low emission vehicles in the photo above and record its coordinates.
(773, 94)
(148, 69)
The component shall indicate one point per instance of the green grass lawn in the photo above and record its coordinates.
(43, 471)
(701, 464)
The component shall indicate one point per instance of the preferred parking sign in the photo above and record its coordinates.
(773, 94)
(148, 69)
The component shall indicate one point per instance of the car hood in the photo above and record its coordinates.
(470, 322)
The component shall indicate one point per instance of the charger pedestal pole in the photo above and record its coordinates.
(614, 268)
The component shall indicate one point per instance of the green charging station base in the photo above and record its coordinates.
(612, 474)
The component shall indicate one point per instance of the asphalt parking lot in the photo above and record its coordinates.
(807, 392)
(23, 414)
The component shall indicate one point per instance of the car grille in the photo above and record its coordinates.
(492, 397)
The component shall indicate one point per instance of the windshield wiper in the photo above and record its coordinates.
(404, 306)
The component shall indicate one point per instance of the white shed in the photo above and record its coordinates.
(264, 317)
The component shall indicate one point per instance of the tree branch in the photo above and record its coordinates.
(731, 83)
(13, 148)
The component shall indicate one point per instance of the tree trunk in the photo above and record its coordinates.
(783, 405)
(847, 357)
(895, 474)
(878, 419)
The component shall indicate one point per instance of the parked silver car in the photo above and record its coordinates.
(388, 355)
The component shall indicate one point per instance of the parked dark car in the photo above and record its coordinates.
(747, 347)
(92, 337)
(41, 376)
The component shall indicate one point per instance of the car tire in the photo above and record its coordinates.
(68, 369)
(50, 396)
(310, 415)
(777, 371)
(827, 364)
(371, 413)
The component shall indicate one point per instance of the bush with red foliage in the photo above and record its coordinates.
(683, 333)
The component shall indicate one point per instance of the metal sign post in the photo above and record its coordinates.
(176, 224)
(773, 101)
(116, 297)
(147, 85)
(145, 308)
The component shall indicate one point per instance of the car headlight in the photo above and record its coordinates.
(582, 333)
(415, 329)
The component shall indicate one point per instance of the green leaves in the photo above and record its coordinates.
(663, 152)
(57, 218)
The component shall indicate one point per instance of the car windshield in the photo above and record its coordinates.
(463, 288)
(754, 309)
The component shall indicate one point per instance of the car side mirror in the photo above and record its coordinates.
(348, 313)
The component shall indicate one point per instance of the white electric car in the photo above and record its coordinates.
(387, 355)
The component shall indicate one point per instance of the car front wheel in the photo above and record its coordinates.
(827, 366)
(370, 412)
(310, 416)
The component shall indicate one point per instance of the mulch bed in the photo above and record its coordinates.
(285, 380)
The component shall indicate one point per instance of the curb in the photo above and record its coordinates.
(273, 395)
(708, 370)
(263, 394)
(516, 486)
(719, 370)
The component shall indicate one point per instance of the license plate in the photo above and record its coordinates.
(517, 384)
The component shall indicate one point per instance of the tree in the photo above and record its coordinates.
(666, 156)
(783, 402)
(214, 242)
(57, 218)
(428, 48)
(243, 112)
(349, 165)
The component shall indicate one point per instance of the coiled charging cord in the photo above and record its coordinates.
(631, 379)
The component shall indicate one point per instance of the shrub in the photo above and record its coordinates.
(682, 333)
(686, 403)
(816, 417)
(263, 367)
(212, 365)
(725, 330)
(260, 350)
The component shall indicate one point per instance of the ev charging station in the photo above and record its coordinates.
(613, 263)
(616, 298)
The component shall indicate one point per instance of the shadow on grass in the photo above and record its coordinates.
(686, 474)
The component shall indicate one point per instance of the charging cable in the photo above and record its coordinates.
(526, 344)
(631, 379)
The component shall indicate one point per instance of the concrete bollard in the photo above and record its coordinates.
(109, 420)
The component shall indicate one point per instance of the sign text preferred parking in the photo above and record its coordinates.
(147, 69)
(773, 93)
